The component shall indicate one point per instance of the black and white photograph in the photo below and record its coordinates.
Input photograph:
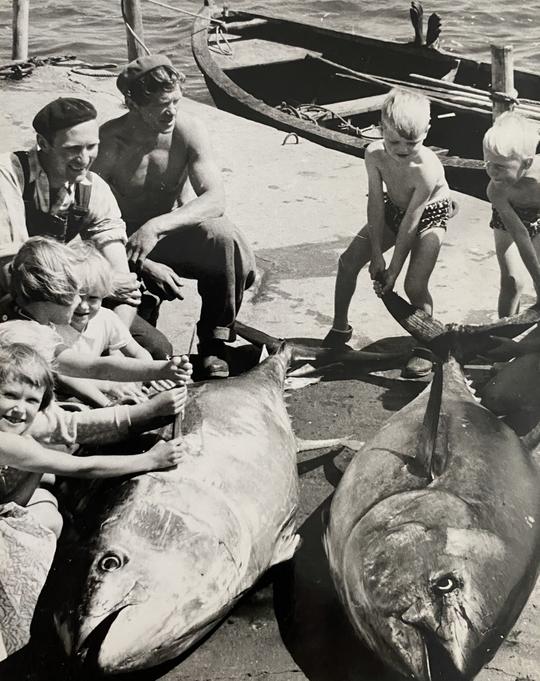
(269, 340)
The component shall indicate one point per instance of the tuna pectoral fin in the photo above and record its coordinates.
(532, 439)
(257, 337)
(426, 454)
(285, 548)
(308, 445)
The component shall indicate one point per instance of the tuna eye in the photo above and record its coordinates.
(445, 585)
(110, 562)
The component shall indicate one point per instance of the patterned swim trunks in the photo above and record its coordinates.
(530, 217)
(435, 214)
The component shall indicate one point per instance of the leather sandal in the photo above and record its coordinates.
(213, 359)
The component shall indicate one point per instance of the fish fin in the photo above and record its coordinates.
(425, 450)
(308, 445)
(298, 382)
(264, 354)
(532, 439)
(257, 337)
(286, 547)
(418, 323)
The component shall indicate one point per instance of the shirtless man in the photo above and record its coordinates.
(159, 164)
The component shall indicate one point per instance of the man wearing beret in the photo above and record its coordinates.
(159, 164)
(50, 191)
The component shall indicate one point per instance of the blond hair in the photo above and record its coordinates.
(94, 271)
(512, 136)
(43, 271)
(406, 112)
(27, 332)
(20, 362)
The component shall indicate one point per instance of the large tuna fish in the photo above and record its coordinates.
(434, 531)
(158, 559)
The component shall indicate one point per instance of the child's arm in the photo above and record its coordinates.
(25, 454)
(110, 424)
(517, 230)
(72, 363)
(407, 232)
(84, 389)
(133, 349)
(375, 215)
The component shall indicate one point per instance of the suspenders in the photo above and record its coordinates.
(61, 227)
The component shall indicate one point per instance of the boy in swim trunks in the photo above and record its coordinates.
(411, 215)
(514, 191)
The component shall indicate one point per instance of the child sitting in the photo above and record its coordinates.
(29, 518)
(45, 288)
(412, 215)
(514, 191)
(96, 330)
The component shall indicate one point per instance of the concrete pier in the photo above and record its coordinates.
(299, 204)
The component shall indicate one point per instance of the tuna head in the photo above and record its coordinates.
(428, 591)
(150, 581)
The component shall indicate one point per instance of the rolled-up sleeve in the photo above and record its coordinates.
(103, 223)
(13, 232)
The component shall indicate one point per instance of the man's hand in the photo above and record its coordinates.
(126, 288)
(163, 281)
(141, 243)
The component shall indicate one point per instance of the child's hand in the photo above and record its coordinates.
(166, 454)
(377, 267)
(118, 392)
(169, 402)
(385, 283)
(184, 369)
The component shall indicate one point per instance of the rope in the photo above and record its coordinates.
(308, 112)
(182, 11)
(131, 30)
(218, 46)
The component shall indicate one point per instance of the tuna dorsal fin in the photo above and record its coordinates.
(425, 451)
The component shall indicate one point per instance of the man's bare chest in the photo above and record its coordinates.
(138, 172)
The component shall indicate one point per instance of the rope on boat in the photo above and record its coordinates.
(220, 41)
(183, 11)
(312, 113)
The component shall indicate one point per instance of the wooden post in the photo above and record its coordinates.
(502, 77)
(21, 12)
(133, 16)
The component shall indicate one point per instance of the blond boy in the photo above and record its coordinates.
(514, 191)
(411, 215)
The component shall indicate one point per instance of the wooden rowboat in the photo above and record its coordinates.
(327, 86)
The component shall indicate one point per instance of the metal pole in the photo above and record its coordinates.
(21, 12)
(502, 78)
(133, 16)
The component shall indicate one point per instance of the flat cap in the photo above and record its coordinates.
(64, 112)
(138, 67)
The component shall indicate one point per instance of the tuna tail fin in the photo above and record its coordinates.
(425, 460)
(462, 341)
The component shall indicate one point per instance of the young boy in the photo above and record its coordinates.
(45, 288)
(412, 215)
(514, 191)
(29, 516)
(96, 330)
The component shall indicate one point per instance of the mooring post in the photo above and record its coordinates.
(21, 13)
(502, 79)
(133, 17)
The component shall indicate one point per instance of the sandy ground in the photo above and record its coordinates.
(299, 204)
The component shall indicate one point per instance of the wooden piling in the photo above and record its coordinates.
(21, 13)
(502, 78)
(133, 16)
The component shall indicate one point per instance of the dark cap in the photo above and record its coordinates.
(64, 112)
(138, 68)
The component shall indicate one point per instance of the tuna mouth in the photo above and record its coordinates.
(439, 663)
(88, 648)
